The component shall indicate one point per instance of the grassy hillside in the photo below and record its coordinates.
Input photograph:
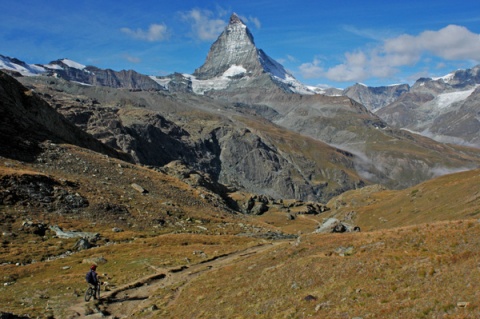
(180, 253)
(449, 197)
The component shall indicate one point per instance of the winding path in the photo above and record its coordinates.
(132, 297)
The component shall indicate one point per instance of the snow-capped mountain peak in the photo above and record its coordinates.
(236, 47)
(21, 67)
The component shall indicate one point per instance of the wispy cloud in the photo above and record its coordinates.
(156, 32)
(132, 59)
(373, 34)
(384, 60)
(205, 26)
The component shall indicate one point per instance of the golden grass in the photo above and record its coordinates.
(414, 272)
(60, 283)
(454, 196)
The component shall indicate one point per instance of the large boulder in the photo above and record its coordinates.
(333, 225)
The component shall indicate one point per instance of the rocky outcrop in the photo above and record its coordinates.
(40, 191)
(333, 225)
(74, 234)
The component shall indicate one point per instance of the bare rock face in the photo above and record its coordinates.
(375, 98)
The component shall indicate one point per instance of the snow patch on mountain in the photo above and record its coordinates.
(73, 64)
(235, 70)
(161, 80)
(444, 100)
(216, 83)
(53, 66)
(279, 74)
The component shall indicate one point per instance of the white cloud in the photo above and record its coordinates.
(312, 70)
(156, 32)
(450, 43)
(204, 26)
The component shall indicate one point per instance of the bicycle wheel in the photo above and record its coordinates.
(88, 293)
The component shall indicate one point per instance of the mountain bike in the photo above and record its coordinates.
(92, 291)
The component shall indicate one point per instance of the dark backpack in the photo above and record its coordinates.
(89, 277)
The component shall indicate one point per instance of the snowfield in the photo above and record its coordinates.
(444, 100)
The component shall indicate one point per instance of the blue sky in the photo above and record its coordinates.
(334, 43)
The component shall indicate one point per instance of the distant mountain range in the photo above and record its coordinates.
(246, 121)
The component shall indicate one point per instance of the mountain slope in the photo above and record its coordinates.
(26, 120)
(383, 155)
(229, 141)
(445, 108)
(202, 119)
(375, 208)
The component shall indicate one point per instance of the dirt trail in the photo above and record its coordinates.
(127, 299)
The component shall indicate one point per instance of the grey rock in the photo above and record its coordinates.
(138, 188)
(333, 225)
(82, 244)
(74, 234)
(27, 119)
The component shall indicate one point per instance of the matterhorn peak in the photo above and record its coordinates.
(234, 56)
(234, 47)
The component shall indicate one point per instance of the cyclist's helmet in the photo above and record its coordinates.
(93, 267)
